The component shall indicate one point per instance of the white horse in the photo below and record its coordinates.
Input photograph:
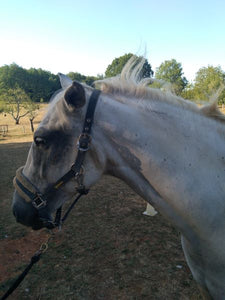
(168, 150)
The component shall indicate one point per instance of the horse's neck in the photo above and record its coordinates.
(155, 155)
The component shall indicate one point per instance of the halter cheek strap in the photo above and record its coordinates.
(30, 192)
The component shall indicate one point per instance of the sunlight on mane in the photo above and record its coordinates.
(130, 83)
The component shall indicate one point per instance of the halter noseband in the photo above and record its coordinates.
(30, 192)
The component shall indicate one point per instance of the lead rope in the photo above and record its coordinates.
(44, 246)
(34, 259)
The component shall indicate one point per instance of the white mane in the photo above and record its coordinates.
(130, 83)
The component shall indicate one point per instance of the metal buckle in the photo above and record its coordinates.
(83, 142)
(38, 202)
(81, 172)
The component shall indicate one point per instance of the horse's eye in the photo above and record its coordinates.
(39, 141)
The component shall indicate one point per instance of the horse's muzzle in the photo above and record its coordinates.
(26, 214)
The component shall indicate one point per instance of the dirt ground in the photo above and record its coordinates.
(107, 249)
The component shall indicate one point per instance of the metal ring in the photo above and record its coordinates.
(44, 247)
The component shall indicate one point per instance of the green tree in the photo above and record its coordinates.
(36, 83)
(12, 76)
(76, 76)
(188, 92)
(90, 79)
(82, 78)
(16, 103)
(41, 84)
(171, 71)
(207, 82)
(118, 63)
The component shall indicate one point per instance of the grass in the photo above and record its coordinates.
(106, 250)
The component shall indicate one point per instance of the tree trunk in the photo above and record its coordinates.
(31, 125)
(17, 121)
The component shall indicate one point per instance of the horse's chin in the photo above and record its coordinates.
(37, 226)
(47, 223)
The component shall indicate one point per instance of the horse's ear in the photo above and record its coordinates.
(64, 81)
(75, 95)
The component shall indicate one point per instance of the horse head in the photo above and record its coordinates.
(52, 153)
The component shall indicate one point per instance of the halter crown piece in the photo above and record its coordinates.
(30, 193)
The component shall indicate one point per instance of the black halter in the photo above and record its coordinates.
(40, 201)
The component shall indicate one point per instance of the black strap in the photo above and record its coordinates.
(70, 208)
(89, 118)
(83, 143)
(34, 260)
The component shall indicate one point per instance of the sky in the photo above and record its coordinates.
(85, 36)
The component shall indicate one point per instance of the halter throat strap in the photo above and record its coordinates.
(31, 194)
